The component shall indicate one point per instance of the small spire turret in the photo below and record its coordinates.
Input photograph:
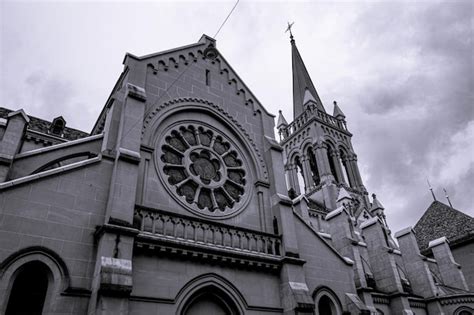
(281, 126)
(377, 207)
(337, 113)
(282, 123)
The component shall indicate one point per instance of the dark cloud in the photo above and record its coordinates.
(416, 102)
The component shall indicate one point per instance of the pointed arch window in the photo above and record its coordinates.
(314, 167)
(300, 174)
(332, 166)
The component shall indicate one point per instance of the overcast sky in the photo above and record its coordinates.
(402, 72)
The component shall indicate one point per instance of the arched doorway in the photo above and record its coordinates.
(29, 290)
(206, 303)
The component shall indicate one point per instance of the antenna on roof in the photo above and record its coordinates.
(447, 197)
(431, 189)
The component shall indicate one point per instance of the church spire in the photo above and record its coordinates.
(302, 84)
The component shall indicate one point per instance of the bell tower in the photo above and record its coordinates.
(319, 157)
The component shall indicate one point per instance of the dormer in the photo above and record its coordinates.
(57, 126)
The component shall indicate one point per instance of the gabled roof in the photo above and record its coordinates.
(301, 83)
(196, 50)
(441, 220)
(343, 194)
(41, 125)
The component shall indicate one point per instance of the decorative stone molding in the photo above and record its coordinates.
(203, 170)
(149, 117)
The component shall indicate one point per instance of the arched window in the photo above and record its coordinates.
(326, 302)
(332, 166)
(36, 275)
(29, 290)
(326, 306)
(300, 174)
(314, 167)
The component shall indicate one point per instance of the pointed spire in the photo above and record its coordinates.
(301, 83)
(376, 205)
(337, 113)
(281, 120)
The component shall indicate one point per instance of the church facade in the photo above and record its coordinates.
(181, 201)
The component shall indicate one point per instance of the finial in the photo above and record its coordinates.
(288, 29)
(374, 196)
(447, 197)
(431, 189)
(337, 112)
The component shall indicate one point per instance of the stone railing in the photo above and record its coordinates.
(191, 230)
(313, 112)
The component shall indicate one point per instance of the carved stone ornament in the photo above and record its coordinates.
(203, 170)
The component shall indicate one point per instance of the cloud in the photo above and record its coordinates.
(401, 71)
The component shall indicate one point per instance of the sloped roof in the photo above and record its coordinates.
(41, 125)
(441, 220)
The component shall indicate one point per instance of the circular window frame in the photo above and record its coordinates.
(172, 189)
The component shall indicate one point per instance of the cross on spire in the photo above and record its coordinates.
(288, 29)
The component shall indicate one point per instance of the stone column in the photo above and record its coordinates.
(350, 176)
(323, 163)
(355, 170)
(308, 176)
(290, 177)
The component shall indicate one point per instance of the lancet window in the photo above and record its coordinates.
(300, 174)
(313, 167)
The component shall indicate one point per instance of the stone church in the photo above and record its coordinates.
(182, 201)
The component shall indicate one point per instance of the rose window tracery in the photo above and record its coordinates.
(204, 169)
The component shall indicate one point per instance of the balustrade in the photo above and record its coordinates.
(310, 112)
(199, 231)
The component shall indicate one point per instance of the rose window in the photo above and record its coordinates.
(204, 170)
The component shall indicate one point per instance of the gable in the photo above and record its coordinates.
(191, 59)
